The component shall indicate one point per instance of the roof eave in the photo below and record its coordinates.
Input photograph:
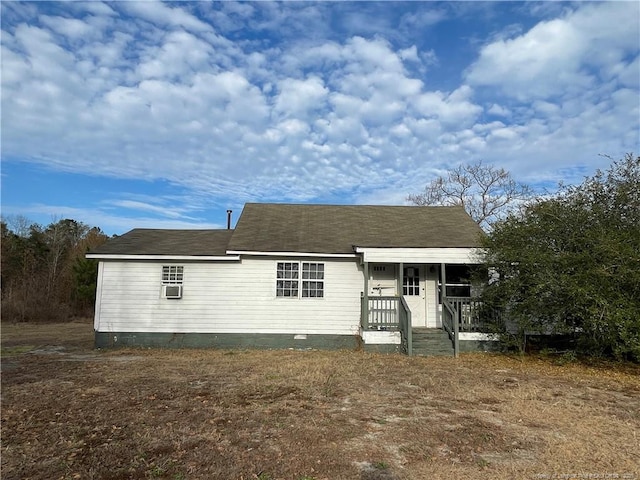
(200, 258)
(290, 254)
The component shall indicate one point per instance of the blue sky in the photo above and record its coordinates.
(164, 115)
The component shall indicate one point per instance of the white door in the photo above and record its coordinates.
(413, 289)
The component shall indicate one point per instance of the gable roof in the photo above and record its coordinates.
(337, 229)
(145, 241)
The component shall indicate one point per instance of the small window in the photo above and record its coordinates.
(379, 268)
(313, 280)
(172, 275)
(411, 281)
(287, 279)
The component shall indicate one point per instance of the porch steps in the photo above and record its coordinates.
(431, 341)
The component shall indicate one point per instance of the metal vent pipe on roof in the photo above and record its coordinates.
(229, 212)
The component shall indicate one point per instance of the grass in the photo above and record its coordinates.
(71, 412)
(15, 350)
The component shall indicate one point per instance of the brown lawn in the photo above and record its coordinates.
(69, 412)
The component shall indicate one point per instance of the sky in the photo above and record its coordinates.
(164, 115)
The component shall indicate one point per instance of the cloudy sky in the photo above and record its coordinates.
(149, 114)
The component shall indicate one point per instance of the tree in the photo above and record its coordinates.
(43, 274)
(85, 271)
(487, 193)
(571, 263)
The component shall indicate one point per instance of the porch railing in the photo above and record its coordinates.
(466, 311)
(405, 326)
(450, 323)
(383, 313)
(389, 313)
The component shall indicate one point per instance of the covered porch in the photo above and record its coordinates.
(414, 300)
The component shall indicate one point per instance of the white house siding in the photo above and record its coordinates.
(226, 297)
(383, 279)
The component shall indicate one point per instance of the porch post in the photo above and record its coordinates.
(399, 288)
(365, 296)
(443, 283)
(443, 295)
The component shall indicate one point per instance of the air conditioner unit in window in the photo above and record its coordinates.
(172, 291)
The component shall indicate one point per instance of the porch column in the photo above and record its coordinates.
(443, 283)
(443, 294)
(399, 287)
(365, 297)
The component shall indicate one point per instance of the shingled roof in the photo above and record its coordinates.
(144, 241)
(337, 229)
(329, 229)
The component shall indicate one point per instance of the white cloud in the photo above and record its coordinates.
(409, 54)
(452, 109)
(181, 54)
(499, 110)
(422, 19)
(162, 15)
(628, 74)
(70, 27)
(108, 222)
(351, 117)
(95, 7)
(162, 210)
(557, 57)
(297, 97)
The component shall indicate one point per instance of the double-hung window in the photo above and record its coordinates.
(313, 280)
(172, 274)
(287, 280)
(300, 279)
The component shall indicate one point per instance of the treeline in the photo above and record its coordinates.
(45, 275)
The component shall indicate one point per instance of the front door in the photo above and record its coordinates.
(413, 289)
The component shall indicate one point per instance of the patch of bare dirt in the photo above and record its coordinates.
(72, 412)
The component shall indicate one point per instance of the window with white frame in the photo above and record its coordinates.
(287, 278)
(172, 274)
(313, 280)
(300, 279)
(411, 281)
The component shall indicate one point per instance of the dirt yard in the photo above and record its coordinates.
(70, 412)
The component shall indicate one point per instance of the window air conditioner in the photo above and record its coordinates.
(172, 291)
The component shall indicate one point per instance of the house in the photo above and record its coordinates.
(292, 276)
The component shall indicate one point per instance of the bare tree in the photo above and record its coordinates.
(487, 193)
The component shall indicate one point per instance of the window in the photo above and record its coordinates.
(172, 275)
(287, 279)
(411, 281)
(458, 281)
(379, 268)
(290, 274)
(313, 280)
